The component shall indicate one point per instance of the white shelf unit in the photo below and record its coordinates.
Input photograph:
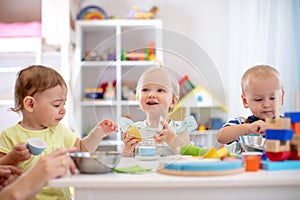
(99, 37)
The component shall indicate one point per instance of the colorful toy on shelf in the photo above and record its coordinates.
(93, 93)
(109, 93)
(139, 55)
(186, 86)
(151, 51)
(135, 13)
(108, 55)
(92, 12)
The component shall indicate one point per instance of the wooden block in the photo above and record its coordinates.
(285, 146)
(277, 146)
(272, 145)
(223, 152)
(295, 116)
(273, 134)
(210, 153)
(296, 139)
(280, 123)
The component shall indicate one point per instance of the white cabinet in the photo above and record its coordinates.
(112, 51)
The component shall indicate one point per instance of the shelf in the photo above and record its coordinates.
(98, 103)
(28, 44)
(114, 63)
(96, 24)
(108, 103)
(97, 63)
(129, 103)
(106, 39)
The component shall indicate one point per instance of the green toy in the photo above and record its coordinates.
(192, 150)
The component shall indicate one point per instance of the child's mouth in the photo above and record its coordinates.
(151, 103)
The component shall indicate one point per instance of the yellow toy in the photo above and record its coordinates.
(134, 131)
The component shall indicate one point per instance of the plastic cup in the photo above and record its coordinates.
(147, 151)
(36, 146)
(252, 163)
(249, 154)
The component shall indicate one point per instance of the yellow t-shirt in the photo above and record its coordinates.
(55, 137)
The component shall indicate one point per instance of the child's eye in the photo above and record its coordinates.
(144, 90)
(160, 90)
(59, 105)
(257, 99)
(272, 98)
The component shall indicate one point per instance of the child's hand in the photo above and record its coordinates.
(257, 127)
(130, 142)
(101, 130)
(165, 135)
(7, 174)
(106, 126)
(19, 154)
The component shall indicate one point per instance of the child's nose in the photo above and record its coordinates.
(62, 110)
(152, 94)
(267, 103)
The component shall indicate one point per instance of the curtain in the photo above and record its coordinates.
(263, 32)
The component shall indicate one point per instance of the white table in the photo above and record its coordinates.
(263, 184)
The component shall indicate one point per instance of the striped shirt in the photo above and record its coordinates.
(241, 120)
(236, 121)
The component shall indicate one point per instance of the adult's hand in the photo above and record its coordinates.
(7, 174)
(53, 165)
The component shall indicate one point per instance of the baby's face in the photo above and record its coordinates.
(155, 95)
(49, 107)
(263, 96)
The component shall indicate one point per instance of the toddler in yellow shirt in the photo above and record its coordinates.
(40, 95)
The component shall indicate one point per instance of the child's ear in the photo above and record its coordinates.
(28, 103)
(174, 101)
(245, 101)
(282, 97)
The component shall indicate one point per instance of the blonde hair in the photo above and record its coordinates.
(259, 71)
(35, 79)
(160, 70)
